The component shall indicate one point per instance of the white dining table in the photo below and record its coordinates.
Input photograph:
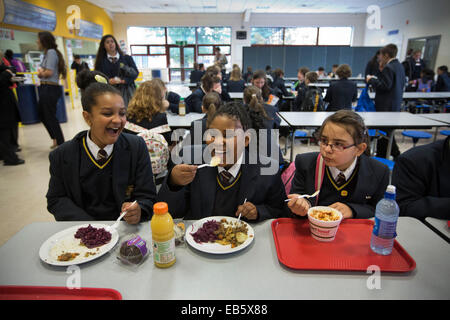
(440, 225)
(253, 273)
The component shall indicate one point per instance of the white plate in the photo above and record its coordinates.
(216, 248)
(65, 241)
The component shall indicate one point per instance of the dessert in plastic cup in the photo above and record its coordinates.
(324, 222)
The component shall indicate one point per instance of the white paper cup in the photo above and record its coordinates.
(323, 230)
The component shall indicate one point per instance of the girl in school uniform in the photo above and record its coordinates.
(259, 80)
(211, 102)
(352, 183)
(221, 191)
(235, 83)
(210, 83)
(101, 171)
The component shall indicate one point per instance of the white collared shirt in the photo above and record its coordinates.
(117, 56)
(234, 170)
(94, 149)
(347, 173)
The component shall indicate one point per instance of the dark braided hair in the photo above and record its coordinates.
(236, 111)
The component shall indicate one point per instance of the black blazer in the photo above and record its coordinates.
(341, 94)
(131, 168)
(389, 87)
(202, 121)
(235, 86)
(196, 76)
(10, 112)
(194, 101)
(442, 83)
(373, 178)
(113, 69)
(196, 200)
(279, 88)
(422, 178)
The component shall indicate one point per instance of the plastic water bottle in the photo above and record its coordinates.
(386, 216)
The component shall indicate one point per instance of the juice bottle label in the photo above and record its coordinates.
(164, 252)
(384, 229)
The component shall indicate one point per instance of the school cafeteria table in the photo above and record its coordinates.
(177, 121)
(440, 225)
(395, 120)
(442, 117)
(420, 95)
(251, 274)
(327, 85)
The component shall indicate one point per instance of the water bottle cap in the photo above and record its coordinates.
(390, 189)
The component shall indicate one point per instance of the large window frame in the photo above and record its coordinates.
(283, 42)
(196, 45)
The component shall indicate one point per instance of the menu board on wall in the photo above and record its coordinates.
(90, 30)
(21, 13)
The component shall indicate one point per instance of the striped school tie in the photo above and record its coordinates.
(340, 179)
(226, 178)
(113, 59)
(102, 156)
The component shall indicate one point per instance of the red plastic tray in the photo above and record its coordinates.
(57, 293)
(350, 250)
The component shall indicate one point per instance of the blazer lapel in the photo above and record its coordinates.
(121, 165)
(71, 169)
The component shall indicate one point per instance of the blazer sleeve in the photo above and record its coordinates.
(144, 189)
(355, 93)
(131, 76)
(385, 80)
(194, 103)
(412, 190)
(274, 206)
(59, 202)
(176, 197)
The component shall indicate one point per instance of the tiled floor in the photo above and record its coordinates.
(23, 187)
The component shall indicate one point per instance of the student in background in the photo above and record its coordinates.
(248, 75)
(279, 90)
(300, 84)
(259, 80)
(214, 70)
(148, 105)
(309, 99)
(373, 66)
(414, 66)
(210, 104)
(210, 83)
(197, 74)
(443, 79)
(99, 173)
(78, 65)
(388, 87)
(235, 83)
(321, 73)
(342, 92)
(422, 178)
(52, 67)
(353, 183)
(332, 74)
(269, 75)
(119, 67)
(194, 193)
(16, 63)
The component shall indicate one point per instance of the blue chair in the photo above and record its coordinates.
(416, 135)
(421, 108)
(374, 135)
(387, 162)
(445, 132)
(297, 134)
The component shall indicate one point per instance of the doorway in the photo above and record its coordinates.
(181, 62)
(429, 47)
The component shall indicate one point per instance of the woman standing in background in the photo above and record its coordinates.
(119, 67)
(51, 68)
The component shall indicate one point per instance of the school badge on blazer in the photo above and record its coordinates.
(344, 193)
(129, 191)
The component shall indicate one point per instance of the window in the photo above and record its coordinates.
(145, 35)
(175, 34)
(213, 35)
(335, 36)
(157, 50)
(267, 36)
(139, 50)
(300, 36)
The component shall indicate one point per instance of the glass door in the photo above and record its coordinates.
(181, 62)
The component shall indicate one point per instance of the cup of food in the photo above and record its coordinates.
(324, 222)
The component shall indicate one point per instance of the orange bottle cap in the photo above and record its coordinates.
(160, 208)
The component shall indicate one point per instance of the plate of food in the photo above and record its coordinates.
(219, 235)
(78, 244)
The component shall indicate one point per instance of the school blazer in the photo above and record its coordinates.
(373, 178)
(131, 169)
(194, 101)
(196, 200)
(389, 87)
(341, 94)
(422, 178)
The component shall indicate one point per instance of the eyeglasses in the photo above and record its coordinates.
(323, 143)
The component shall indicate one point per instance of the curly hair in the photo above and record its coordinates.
(344, 71)
(147, 101)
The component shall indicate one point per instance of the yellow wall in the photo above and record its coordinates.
(89, 12)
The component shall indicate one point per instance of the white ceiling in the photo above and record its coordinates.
(239, 6)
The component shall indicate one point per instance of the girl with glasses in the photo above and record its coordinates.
(352, 182)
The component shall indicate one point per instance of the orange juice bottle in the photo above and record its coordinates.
(163, 236)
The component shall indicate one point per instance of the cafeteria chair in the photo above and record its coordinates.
(374, 135)
(297, 134)
(445, 132)
(387, 162)
(423, 108)
(416, 135)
